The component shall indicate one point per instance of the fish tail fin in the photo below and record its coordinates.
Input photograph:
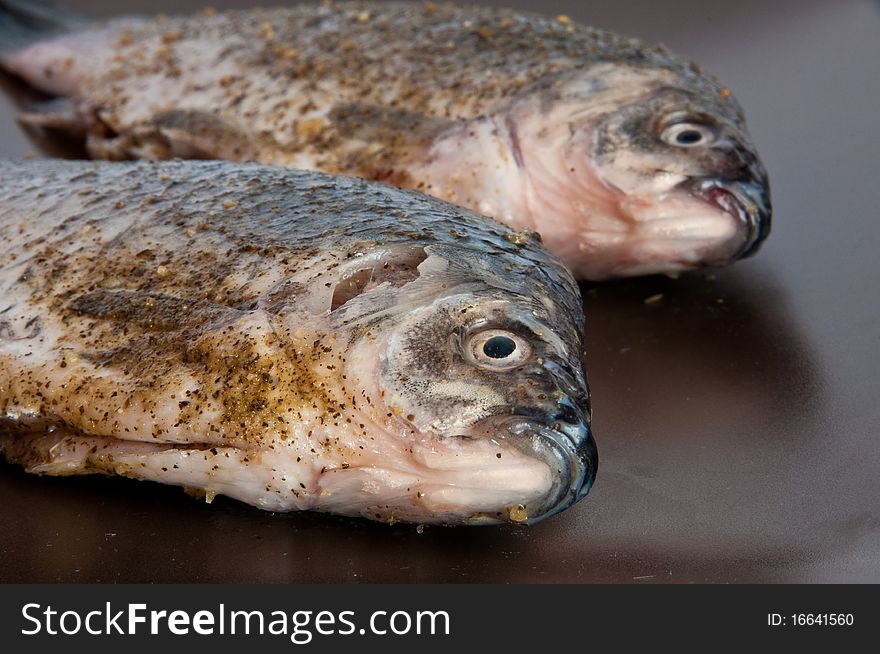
(23, 22)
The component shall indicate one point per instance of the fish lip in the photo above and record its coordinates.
(747, 200)
(568, 448)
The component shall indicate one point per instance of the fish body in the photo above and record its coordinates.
(291, 339)
(626, 158)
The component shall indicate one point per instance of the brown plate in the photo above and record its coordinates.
(737, 418)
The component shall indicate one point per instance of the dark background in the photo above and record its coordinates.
(737, 418)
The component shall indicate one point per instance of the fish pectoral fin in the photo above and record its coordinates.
(177, 133)
(193, 134)
(383, 139)
(372, 123)
(57, 114)
(150, 310)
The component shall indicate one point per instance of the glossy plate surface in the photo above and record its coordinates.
(736, 416)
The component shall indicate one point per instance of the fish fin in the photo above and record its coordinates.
(382, 139)
(200, 134)
(203, 470)
(56, 113)
(61, 452)
(23, 22)
(182, 133)
(153, 312)
(375, 124)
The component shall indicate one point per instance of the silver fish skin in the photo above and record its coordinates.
(626, 158)
(291, 339)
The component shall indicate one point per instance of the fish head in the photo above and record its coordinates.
(649, 170)
(477, 370)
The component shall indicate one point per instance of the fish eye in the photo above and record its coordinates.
(688, 135)
(498, 349)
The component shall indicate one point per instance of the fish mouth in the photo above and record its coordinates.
(566, 446)
(748, 202)
(510, 468)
